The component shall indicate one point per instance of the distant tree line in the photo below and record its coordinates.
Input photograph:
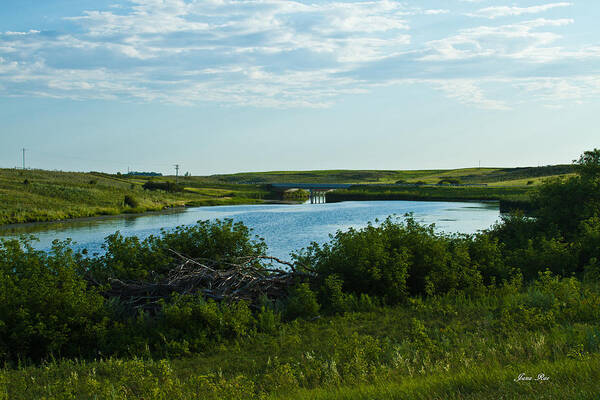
(171, 187)
(137, 173)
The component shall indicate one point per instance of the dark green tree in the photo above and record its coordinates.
(588, 164)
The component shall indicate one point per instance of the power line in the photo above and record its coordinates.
(106, 161)
(176, 173)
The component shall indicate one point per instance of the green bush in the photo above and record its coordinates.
(397, 259)
(366, 260)
(166, 186)
(267, 320)
(131, 201)
(131, 258)
(193, 322)
(45, 305)
(333, 297)
(485, 252)
(301, 302)
(449, 181)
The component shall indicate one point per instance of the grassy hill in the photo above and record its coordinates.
(490, 176)
(37, 195)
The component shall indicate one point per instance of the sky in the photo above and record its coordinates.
(221, 86)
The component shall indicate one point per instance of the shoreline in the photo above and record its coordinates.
(179, 209)
(101, 217)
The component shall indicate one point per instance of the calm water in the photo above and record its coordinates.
(284, 227)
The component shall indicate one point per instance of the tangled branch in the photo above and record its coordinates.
(245, 279)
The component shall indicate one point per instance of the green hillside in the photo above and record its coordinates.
(464, 175)
(37, 195)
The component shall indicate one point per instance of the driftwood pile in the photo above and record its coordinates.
(246, 279)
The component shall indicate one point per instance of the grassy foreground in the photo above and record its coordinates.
(449, 347)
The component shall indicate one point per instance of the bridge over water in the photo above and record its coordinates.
(316, 190)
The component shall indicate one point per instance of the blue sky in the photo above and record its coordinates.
(248, 85)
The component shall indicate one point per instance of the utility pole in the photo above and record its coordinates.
(24, 149)
(176, 173)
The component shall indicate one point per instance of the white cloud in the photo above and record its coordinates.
(157, 46)
(518, 41)
(505, 11)
(469, 92)
(30, 32)
(436, 11)
(274, 53)
(575, 89)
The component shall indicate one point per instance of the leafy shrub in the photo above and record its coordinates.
(131, 201)
(332, 295)
(367, 260)
(45, 305)
(166, 186)
(196, 321)
(267, 320)
(394, 260)
(449, 181)
(132, 258)
(296, 195)
(485, 252)
(301, 302)
(588, 164)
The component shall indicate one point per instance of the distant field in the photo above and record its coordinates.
(327, 176)
(496, 176)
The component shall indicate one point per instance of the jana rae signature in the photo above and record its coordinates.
(525, 378)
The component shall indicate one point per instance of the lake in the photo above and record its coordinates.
(284, 227)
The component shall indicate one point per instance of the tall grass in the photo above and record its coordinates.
(449, 347)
